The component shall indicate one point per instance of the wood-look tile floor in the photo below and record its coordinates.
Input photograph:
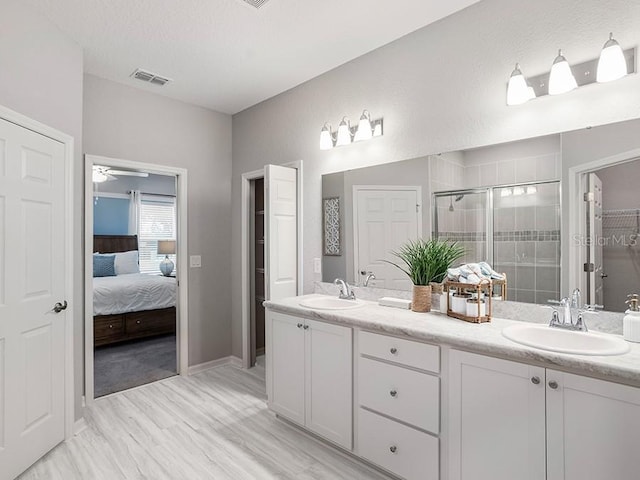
(213, 425)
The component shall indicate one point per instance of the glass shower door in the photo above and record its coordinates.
(462, 217)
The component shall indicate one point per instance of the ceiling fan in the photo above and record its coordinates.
(104, 174)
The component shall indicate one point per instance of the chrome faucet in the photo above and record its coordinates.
(369, 276)
(572, 313)
(346, 293)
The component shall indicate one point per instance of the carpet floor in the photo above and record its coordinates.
(127, 365)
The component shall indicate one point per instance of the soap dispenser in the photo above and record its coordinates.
(631, 321)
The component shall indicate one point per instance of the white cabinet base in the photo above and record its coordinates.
(403, 450)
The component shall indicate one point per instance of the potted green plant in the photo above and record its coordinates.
(426, 262)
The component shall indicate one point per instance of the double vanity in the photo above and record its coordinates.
(425, 396)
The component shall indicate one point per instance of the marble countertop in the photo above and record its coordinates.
(485, 338)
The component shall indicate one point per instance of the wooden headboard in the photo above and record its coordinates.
(114, 243)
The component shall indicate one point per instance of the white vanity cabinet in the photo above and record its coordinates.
(398, 405)
(309, 375)
(510, 420)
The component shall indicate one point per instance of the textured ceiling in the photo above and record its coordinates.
(225, 54)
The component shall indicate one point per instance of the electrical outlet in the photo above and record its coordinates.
(317, 265)
(195, 261)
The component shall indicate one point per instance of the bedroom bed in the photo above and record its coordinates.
(130, 305)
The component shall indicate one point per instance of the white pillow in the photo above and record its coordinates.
(127, 262)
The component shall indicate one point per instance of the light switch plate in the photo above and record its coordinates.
(195, 261)
(317, 265)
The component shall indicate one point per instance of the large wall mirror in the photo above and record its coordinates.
(504, 203)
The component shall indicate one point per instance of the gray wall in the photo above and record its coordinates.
(42, 79)
(123, 122)
(439, 89)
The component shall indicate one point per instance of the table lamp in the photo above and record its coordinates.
(166, 248)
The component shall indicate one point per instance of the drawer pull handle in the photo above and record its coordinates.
(394, 351)
(110, 326)
(393, 393)
(299, 325)
(138, 322)
(535, 380)
(306, 327)
(553, 384)
(393, 449)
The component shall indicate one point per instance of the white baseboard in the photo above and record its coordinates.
(79, 426)
(201, 367)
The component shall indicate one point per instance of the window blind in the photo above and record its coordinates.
(157, 222)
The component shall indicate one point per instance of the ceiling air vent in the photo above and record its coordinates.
(149, 77)
(255, 3)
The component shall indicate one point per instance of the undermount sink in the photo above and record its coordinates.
(566, 341)
(330, 303)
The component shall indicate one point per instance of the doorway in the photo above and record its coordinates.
(613, 235)
(257, 269)
(282, 256)
(135, 274)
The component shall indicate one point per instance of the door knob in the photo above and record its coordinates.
(58, 307)
(393, 350)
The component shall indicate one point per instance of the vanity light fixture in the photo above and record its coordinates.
(346, 134)
(518, 92)
(612, 64)
(561, 79)
(326, 140)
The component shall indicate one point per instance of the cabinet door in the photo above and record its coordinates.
(593, 428)
(285, 365)
(329, 406)
(496, 419)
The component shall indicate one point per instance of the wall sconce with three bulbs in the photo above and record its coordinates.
(347, 134)
(613, 64)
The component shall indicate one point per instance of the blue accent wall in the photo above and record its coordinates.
(111, 216)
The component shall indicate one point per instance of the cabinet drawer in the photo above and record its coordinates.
(108, 327)
(398, 350)
(143, 322)
(398, 392)
(400, 449)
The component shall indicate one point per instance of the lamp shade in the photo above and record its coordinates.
(612, 65)
(166, 247)
(364, 131)
(344, 133)
(326, 142)
(518, 92)
(561, 79)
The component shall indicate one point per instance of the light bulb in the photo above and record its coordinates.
(505, 192)
(326, 142)
(561, 79)
(364, 131)
(531, 190)
(344, 133)
(98, 176)
(518, 90)
(612, 65)
(518, 190)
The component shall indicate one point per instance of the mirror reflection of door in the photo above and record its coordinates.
(385, 218)
(613, 230)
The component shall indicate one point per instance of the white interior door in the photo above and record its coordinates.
(595, 272)
(32, 279)
(384, 219)
(281, 232)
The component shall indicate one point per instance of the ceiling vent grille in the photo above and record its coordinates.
(255, 3)
(149, 77)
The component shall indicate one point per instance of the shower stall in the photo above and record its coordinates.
(514, 228)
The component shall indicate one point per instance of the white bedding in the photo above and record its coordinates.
(132, 293)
